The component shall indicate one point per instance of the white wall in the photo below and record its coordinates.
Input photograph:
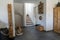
(4, 13)
(50, 4)
(19, 7)
(47, 20)
(18, 20)
(43, 21)
(19, 12)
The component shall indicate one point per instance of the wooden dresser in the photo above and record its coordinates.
(57, 19)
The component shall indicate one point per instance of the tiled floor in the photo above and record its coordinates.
(30, 33)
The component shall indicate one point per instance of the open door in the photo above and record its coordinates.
(10, 21)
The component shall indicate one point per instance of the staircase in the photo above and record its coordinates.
(28, 21)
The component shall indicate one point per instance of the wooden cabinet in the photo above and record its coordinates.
(10, 20)
(57, 19)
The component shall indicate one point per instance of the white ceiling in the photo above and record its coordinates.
(26, 1)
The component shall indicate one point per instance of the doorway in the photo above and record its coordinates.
(29, 10)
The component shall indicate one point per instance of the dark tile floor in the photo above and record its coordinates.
(30, 33)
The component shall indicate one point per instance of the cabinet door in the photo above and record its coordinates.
(56, 19)
(10, 20)
(59, 19)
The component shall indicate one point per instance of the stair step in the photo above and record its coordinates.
(27, 18)
(29, 24)
(28, 21)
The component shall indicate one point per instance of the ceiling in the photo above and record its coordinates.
(26, 1)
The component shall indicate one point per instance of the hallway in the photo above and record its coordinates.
(31, 34)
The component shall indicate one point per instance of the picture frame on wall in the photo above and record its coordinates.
(40, 8)
(40, 17)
